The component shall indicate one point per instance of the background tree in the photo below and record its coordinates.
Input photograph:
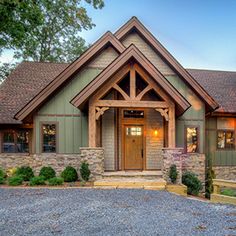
(45, 30)
(5, 70)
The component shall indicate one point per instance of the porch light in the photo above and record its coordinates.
(155, 132)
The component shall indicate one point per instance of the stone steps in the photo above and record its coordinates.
(146, 180)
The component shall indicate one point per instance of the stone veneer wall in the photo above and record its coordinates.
(193, 162)
(93, 156)
(225, 172)
(196, 163)
(172, 156)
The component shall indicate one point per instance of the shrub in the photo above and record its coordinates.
(26, 172)
(38, 180)
(173, 174)
(2, 180)
(47, 172)
(55, 181)
(192, 182)
(210, 175)
(15, 180)
(84, 171)
(69, 174)
(2, 173)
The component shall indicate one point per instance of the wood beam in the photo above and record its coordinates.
(132, 83)
(171, 127)
(164, 113)
(92, 125)
(100, 111)
(121, 91)
(138, 104)
(139, 97)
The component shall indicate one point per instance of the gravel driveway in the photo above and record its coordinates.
(110, 212)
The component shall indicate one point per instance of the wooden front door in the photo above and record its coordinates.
(133, 147)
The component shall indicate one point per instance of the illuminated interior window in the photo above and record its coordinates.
(134, 131)
(49, 138)
(133, 114)
(225, 139)
(192, 139)
(16, 141)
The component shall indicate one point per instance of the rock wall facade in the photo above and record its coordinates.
(93, 156)
(225, 172)
(193, 162)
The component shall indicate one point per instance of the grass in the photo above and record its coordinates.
(228, 192)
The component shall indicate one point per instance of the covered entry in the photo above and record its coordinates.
(131, 112)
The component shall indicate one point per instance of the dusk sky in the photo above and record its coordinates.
(199, 34)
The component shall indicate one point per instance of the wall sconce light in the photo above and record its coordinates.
(155, 132)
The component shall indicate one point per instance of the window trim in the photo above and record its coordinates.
(14, 131)
(225, 149)
(56, 123)
(185, 138)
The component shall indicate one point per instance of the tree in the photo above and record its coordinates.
(47, 30)
(5, 70)
(17, 19)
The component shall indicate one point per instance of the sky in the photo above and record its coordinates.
(198, 33)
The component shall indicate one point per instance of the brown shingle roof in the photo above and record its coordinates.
(221, 85)
(29, 78)
(23, 84)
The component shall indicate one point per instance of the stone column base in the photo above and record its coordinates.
(172, 156)
(94, 156)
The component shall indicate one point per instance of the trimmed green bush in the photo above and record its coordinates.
(2, 173)
(47, 172)
(84, 171)
(2, 180)
(25, 172)
(15, 180)
(192, 182)
(69, 174)
(55, 181)
(37, 180)
(173, 174)
(210, 175)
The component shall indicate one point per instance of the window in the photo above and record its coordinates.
(133, 114)
(192, 139)
(49, 137)
(134, 131)
(225, 139)
(15, 141)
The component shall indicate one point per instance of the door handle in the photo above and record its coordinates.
(142, 153)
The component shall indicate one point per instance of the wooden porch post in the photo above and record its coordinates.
(171, 127)
(92, 125)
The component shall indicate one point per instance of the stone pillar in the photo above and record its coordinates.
(94, 156)
(172, 156)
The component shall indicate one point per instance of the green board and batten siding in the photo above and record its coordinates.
(72, 124)
(218, 157)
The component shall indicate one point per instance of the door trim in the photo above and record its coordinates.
(123, 144)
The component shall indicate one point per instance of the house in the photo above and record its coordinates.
(124, 104)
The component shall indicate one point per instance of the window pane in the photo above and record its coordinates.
(221, 139)
(192, 139)
(134, 131)
(229, 139)
(133, 114)
(23, 141)
(49, 138)
(8, 142)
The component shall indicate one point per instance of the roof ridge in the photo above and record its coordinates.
(228, 71)
(45, 62)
